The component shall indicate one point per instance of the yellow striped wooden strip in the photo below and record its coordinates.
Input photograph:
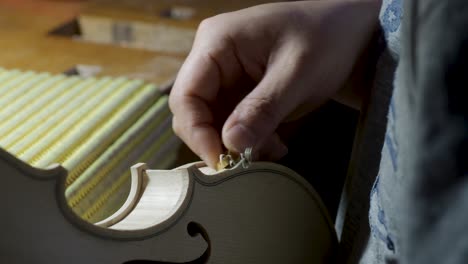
(6, 76)
(129, 111)
(13, 87)
(31, 103)
(89, 123)
(166, 161)
(118, 152)
(107, 176)
(23, 94)
(35, 99)
(162, 158)
(42, 118)
(102, 199)
(13, 102)
(16, 118)
(64, 128)
(95, 181)
(55, 117)
(113, 202)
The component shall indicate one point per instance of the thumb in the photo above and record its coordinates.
(256, 118)
(252, 122)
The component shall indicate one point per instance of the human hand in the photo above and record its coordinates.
(248, 70)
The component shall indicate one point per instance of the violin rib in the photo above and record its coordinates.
(136, 185)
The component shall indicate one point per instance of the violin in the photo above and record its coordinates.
(250, 212)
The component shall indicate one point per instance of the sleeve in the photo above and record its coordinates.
(435, 58)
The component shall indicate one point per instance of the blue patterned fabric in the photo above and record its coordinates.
(383, 244)
(419, 201)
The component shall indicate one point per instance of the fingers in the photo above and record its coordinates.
(297, 52)
(194, 126)
(189, 105)
(210, 65)
(256, 118)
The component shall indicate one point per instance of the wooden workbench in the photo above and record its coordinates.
(26, 44)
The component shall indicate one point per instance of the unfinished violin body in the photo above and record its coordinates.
(263, 213)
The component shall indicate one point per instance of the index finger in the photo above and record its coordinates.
(211, 64)
(196, 85)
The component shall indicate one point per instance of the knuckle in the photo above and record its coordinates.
(211, 37)
(208, 25)
(260, 109)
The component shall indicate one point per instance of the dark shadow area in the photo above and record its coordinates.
(68, 29)
(320, 148)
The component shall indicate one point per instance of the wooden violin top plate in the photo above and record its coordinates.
(265, 213)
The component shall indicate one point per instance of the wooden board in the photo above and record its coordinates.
(26, 44)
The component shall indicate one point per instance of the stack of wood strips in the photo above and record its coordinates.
(96, 128)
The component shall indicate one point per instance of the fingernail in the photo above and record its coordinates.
(239, 137)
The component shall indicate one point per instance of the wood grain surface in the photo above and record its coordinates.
(26, 44)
